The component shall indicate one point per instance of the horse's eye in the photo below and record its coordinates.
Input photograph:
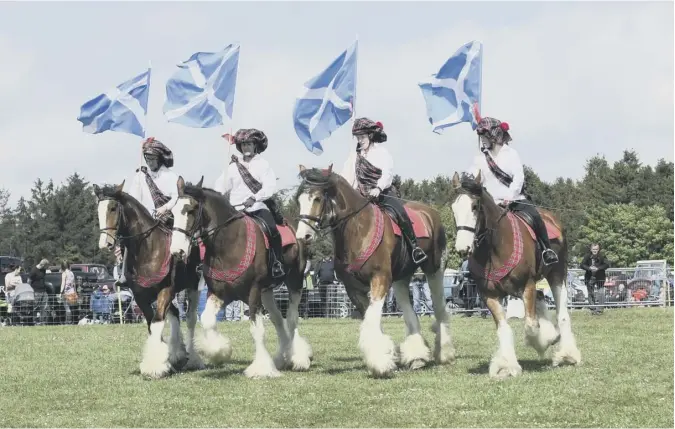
(474, 206)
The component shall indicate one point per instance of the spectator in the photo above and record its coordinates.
(594, 265)
(467, 291)
(68, 291)
(421, 292)
(12, 280)
(325, 272)
(36, 278)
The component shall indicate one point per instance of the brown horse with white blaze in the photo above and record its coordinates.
(155, 276)
(504, 260)
(236, 266)
(369, 255)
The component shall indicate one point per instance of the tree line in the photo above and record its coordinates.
(627, 207)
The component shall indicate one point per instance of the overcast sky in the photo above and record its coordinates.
(572, 79)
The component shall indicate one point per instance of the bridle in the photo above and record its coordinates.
(197, 231)
(480, 219)
(121, 220)
(327, 206)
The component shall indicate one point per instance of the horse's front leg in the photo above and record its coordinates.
(268, 302)
(378, 349)
(504, 363)
(262, 365)
(415, 352)
(155, 363)
(300, 352)
(540, 333)
(215, 347)
(194, 360)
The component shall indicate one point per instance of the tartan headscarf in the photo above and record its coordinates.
(496, 129)
(157, 148)
(258, 138)
(368, 126)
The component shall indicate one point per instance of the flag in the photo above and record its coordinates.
(122, 108)
(327, 101)
(201, 92)
(452, 92)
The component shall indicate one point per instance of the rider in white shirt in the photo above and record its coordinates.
(504, 177)
(154, 187)
(251, 183)
(371, 171)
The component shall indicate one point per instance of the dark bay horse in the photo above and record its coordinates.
(236, 267)
(504, 261)
(369, 255)
(155, 276)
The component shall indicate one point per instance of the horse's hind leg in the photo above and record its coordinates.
(194, 360)
(262, 365)
(444, 350)
(300, 353)
(279, 324)
(567, 351)
(540, 333)
(155, 363)
(378, 349)
(414, 350)
(215, 348)
(504, 363)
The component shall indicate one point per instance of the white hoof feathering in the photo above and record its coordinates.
(567, 353)
(542, 338)
(444, 351)
(378, 349)
(215, 348)
(194, 362)
(504, 363)
(301, 353)
(155, 362)
(262, 368)
(414, 351)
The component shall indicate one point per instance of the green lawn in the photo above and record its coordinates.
(84, 376)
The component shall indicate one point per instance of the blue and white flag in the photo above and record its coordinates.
(451, 93)
(327, 101)
(122, 108)
(201, 92)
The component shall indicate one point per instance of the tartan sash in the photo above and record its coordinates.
(500, 174)
(367, 174)
(254, 185)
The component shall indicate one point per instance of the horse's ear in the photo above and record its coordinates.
(97, 191)
(455, 181)
(302, 168)
(479, 178)
(201, 181)
(330, 168)
(118, 188)
(181, 186)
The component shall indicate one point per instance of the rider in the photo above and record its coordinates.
(504, 177)
(252, 183)
(154, 186)
(370, 170)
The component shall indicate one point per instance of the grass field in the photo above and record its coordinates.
(84, 376)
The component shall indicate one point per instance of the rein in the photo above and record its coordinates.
(196, 225)
(321, 229)
(121, 220)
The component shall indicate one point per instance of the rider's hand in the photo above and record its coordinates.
(249, 202)
(375, 192)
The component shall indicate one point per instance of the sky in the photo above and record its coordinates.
(572, 79)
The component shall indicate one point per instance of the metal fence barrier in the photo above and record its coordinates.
(623, 287)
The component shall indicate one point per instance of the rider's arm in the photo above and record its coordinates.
(224, 182)
(269, 181)
(386, 164)
(170, 181)
(518, 175)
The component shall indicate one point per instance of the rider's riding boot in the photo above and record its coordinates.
(275, 247)
(418, 255)
(548, 255)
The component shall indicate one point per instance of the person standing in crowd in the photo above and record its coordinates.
(36, 278)
(421, 293)
(12, 280)
(594, 265)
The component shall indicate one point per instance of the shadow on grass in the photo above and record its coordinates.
(528, 365)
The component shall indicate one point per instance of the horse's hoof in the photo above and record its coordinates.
(417, 364)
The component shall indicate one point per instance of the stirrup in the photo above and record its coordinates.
(418, 255)
(121, 281)
(552, 257)
(277, 270)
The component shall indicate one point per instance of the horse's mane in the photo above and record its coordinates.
(316, 178)
(110, 191)
(469, 184)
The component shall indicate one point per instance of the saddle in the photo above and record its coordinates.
(552, 231)
(285, 232)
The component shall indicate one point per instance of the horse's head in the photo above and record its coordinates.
(466, 209)
(187, 215)
(315, 195)
(109, 214)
